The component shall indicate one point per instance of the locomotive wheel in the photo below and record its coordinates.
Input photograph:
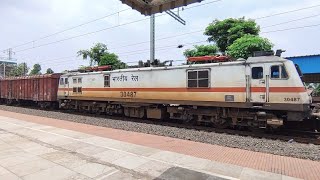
(221, 123)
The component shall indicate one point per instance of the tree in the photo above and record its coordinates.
(36, 69)
(315, 87)
(113, 60)
(99, 55)
(245, 46)
(19, 70)
(317, 90)
(201, 50)
(49, 71)
(225, 32)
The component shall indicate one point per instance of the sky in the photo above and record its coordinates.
(24, 21)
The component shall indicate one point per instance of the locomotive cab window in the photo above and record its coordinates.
(80, 90)
(61, 81)
(77, 80)
(257, 73)
(278, 72)
(198, 78)
(284, 74)
(77, 90)
(107, 81)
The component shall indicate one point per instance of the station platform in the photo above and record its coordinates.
(33, 147)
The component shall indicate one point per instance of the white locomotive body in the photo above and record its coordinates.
(259, 92)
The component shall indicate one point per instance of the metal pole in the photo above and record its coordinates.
(4, 70)
(152, 38)
(10, 54)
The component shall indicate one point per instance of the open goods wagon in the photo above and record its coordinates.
(41, 89)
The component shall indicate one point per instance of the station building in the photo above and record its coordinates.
(5, 67)
(310, 67)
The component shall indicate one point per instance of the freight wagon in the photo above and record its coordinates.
(40, 89)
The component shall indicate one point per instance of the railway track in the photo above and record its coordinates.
(305, 137)
(316, 99)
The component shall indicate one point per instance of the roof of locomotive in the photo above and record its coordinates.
(250, 60)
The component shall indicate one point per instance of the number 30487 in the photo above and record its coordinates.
(291, 99)
(129, 94)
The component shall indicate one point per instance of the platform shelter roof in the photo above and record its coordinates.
(149, 7)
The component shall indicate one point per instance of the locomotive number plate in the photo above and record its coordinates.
(291, 99)
(128, 94)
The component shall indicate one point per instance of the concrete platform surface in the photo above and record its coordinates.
(30, 150)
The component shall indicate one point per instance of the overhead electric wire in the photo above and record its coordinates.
(170, 46)
(286, 12)
(93, 32)
(94, 20)
(133, 22)
(104, 29)
(140, 51)
(293, 28)
(202, 4)
(200, 30)
(158, 39)
(177, 35)
(68, 29)
(192, 32)
(295, 20)
(73, 37)
(160, 47)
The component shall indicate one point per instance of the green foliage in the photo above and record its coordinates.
(113, 60)
(317, 90)
(201, 50)
(36, 69)
(49, 71)
(83, 67)
(245, 46)
(99, 55)
(225, 32)
(19, 70)
(315, 87)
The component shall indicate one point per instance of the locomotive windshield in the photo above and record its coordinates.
(298, 70)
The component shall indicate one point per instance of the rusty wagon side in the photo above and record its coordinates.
(41, 89)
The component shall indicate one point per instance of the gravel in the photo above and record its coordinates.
(298, 150)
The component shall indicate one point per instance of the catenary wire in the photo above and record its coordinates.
(293, 28)
(170, 47)
(54, 42)
(73, 37)
(94, 20)
(129, 8)
(256, 18)
(142, 51)
(68, 29)
(177, 35)
(286, 12)
(104, 29)
(201, 30)
(158, 39)
(295, 20)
